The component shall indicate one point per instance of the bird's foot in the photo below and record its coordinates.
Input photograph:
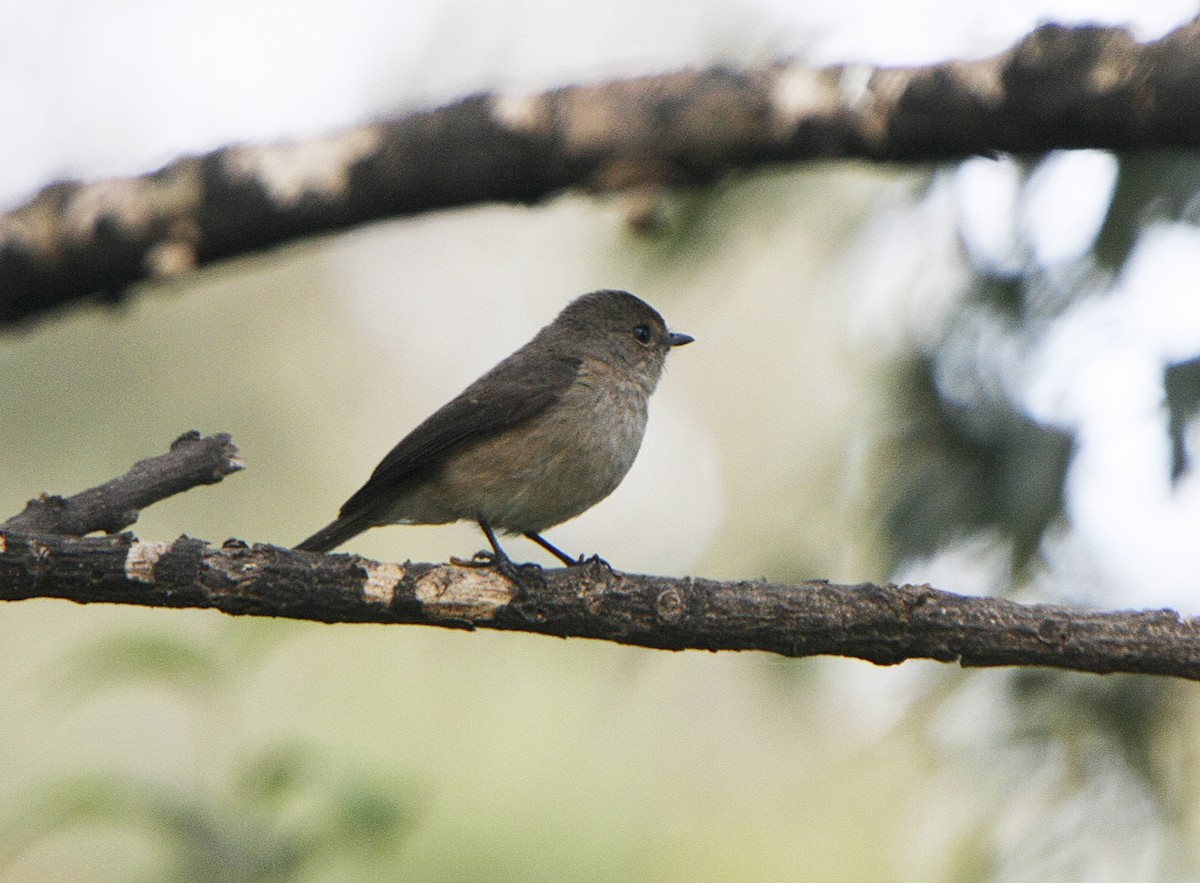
(518, 574)
(591, 561)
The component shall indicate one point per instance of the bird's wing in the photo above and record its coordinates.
(516, 390)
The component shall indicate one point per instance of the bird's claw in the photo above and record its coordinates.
(506, 567)
(592, 560)
(484, 558)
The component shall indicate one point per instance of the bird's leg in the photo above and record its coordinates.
(496, 558)
(563, 556)
(553, 550)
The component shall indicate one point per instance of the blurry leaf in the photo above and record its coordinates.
(255, 636)
(182, 663)
(1127, 712)
(225, 838)
(1005, 293)
(139, 658)
(276, 774)
(64, 803)
(1182, 384)
(371, 817)
(282, 811)
(320, 811)
(960, 470)
(1151, 186)
(58, 804)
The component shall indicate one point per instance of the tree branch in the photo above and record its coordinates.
(116, 504)
(1058, 88)
(881, 624)
(44, 555)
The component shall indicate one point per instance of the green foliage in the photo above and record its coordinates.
(961, 469)
(1183, 404)
(1126, 714)
(1152, 186)
(287, 811)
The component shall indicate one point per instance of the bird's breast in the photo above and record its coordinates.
(546, 469)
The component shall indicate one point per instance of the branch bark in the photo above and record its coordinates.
(881, 624)
(43, 554)
(116, 504)
(1059, 88)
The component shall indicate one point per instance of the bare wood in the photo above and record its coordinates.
(115, 505)
(884, 624)
(1058, 88)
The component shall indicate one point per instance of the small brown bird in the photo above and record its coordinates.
(543, 436)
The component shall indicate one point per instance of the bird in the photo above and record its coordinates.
(543, 436)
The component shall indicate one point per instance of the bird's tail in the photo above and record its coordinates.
(333, 535)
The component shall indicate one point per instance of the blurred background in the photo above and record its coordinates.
(982, 375)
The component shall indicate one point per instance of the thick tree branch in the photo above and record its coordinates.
(881, 624)
(1060, 87)
(43, 554)
(115, 505)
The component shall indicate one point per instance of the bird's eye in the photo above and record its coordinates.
(642, 334)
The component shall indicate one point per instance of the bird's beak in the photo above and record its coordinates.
(676, 339)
